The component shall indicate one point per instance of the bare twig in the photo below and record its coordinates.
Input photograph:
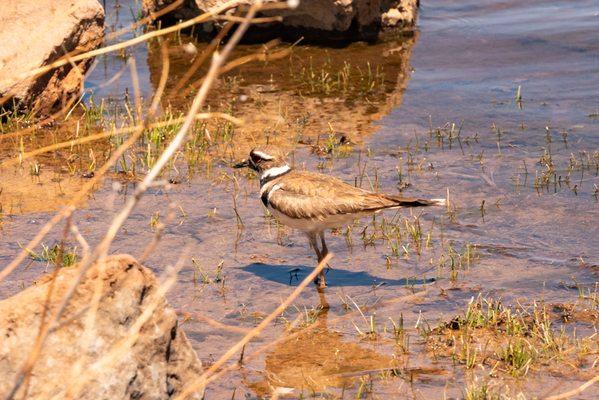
(200, 382)
(299, 332)
(261, 20)
(244, 60)
(147, 20)
(181, 136)
(199, 61)
(575, 391)
(115, 132)
(128, 43)
(214, 323)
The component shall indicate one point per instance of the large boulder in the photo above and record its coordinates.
(34, 33)
(316, 19)
(156, 366)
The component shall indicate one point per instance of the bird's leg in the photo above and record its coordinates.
(324, 304)
(319, 281)
(324, 250)
(314, 245)
(323, 253)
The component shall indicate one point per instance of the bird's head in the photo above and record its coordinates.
(263, 158)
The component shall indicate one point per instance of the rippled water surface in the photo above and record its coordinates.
(521, 174)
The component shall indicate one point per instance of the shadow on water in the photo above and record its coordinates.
(294, 274)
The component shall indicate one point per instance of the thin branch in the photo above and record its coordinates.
(116, 132)
(128, 43)
(260, 20)
(214, 323)
(147, 20)
(575, 391)
(180, 138)
(244, 60)
(199, 61)
(200, 382)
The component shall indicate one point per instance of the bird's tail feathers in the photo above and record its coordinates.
(412, 202)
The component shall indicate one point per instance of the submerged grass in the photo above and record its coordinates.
(513, 341)
(56, 255)
(347, 80)
(480, 391)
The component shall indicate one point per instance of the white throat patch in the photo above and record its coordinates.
(274, 172)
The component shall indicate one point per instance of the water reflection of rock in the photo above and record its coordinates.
(24, 191)
(303, 95)
(317, 359)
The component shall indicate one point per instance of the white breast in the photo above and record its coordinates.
(316, 225)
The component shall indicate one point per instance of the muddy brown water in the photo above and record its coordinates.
(445, 120)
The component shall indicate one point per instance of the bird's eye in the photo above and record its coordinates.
(258, 157)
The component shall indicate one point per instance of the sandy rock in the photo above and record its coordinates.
(157, 365)
(399, 13)
(338, 18)
(35, 33)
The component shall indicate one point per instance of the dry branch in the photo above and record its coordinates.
(116, 132)
(128, 43)
(575, 391)
(102, 248)
(200, 383)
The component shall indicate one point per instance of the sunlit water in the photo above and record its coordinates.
(533, 240)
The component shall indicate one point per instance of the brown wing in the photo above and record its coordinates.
(305, 194)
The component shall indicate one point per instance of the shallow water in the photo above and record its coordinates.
(446, 120)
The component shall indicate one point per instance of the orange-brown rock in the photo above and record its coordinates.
(34, 33)
(156, 366)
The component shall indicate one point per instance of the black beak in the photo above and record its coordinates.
(243, 164)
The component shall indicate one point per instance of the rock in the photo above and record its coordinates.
(157, 366)
(320, 20)
(34, 33)
(399, 13)
(344, 16)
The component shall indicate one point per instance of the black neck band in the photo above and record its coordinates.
(270, 178)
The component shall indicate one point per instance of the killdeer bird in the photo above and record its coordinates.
(313, 202)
